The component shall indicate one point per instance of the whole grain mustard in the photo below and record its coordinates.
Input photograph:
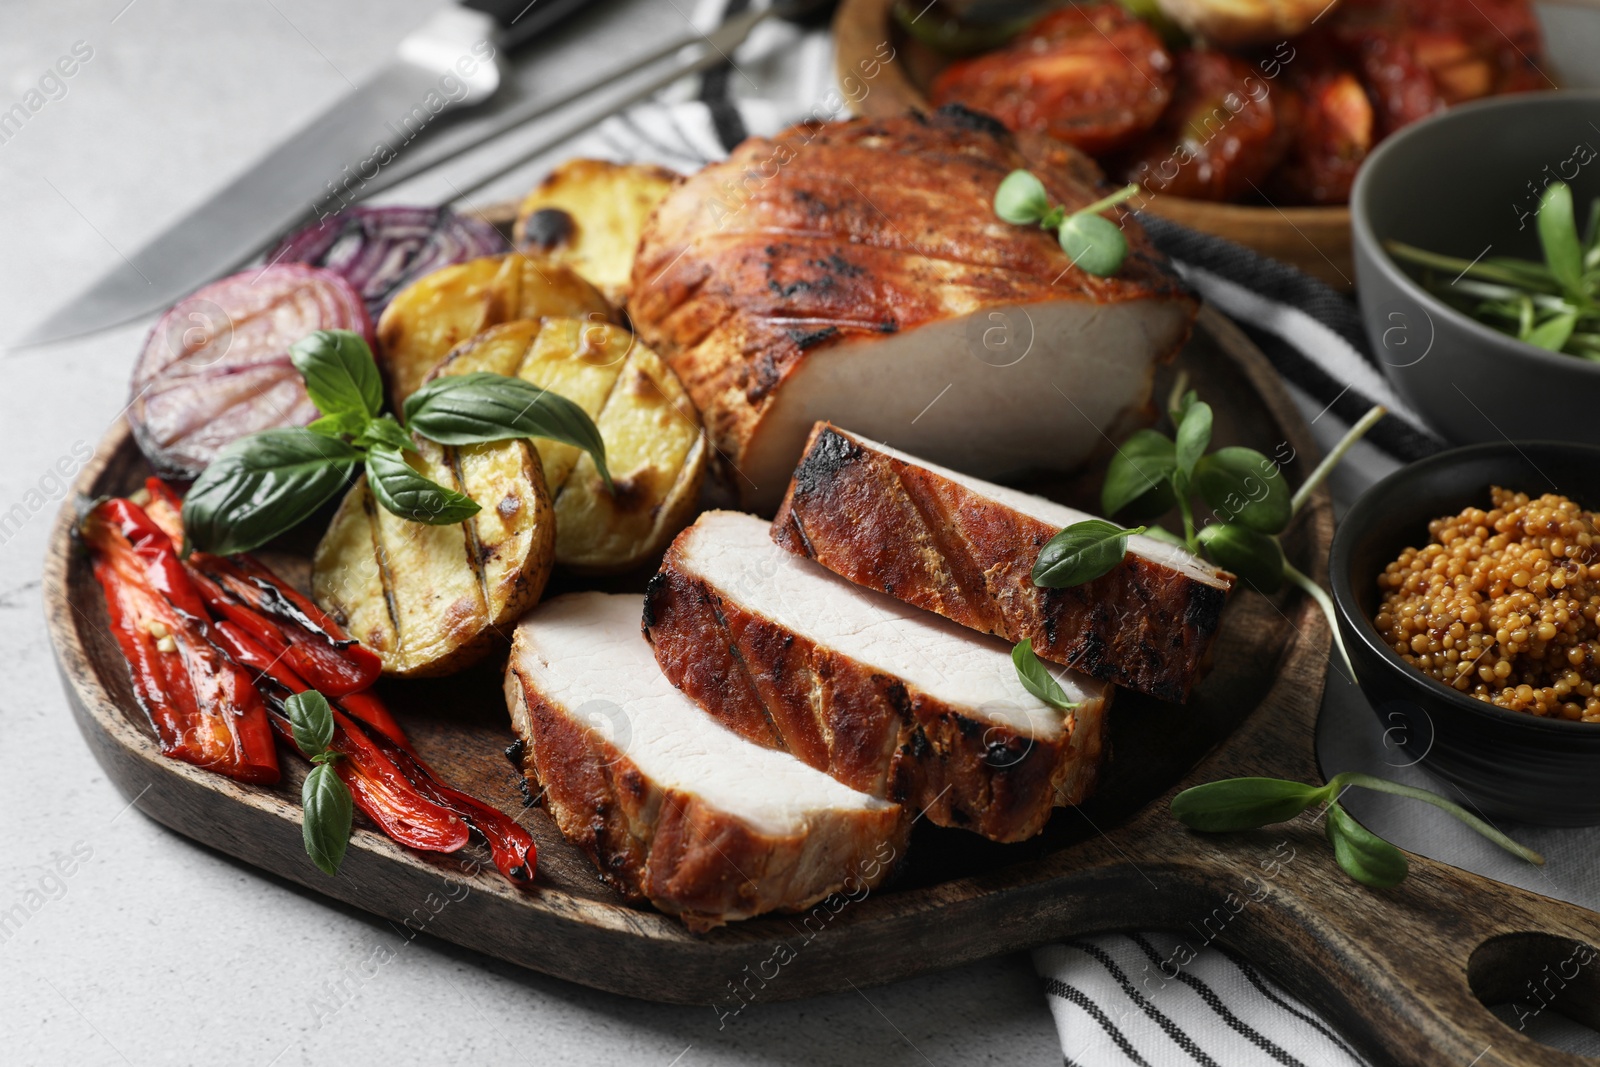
(1504, 605)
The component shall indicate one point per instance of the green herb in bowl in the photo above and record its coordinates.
(1554, 305)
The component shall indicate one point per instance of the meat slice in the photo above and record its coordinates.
(888, 699)
(671, 807)
(857, 272)
(965, 548)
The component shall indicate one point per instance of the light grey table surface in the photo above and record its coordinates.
(153, 950)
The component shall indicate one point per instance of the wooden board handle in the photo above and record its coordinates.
(1404, 972)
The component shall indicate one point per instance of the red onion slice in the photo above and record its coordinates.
(381, 250)
(216, 366)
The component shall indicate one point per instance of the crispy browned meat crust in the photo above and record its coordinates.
(852, 231)
(667, 846)
(931, 542)
(868, 730)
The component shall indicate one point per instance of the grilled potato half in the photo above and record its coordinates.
(435, 313)
(589, 214)
(432, 600)
(654, 444)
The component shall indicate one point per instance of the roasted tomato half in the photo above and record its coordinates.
(1093, 76)
(1219, 138)
(1418, 58)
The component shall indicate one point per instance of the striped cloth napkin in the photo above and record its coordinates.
(1116, 999)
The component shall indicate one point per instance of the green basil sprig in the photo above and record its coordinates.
(1036, 677)
(264, 485)
(1248, 803)
(469, 409)
(325, 827)
(1095, 243)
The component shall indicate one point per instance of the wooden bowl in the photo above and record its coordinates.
(1313, 239)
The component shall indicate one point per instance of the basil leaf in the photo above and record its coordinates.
(311, 720)
(1255, 557)
(264, 485)
(1021, 198)
(1365, 856)
(341, 376)
(1243, 486)
(1095, 243)
(1081, 553)
(340, 424)
(1243, 803)
(1553, 333)
(1558, 234)
(326, 828)
(470, 409)
(384, 432)
(1036, 677)
(1194, 436)
(1141, 468)
(400, 489)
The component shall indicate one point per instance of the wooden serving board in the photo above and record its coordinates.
(1392, 969)
(1314, 239)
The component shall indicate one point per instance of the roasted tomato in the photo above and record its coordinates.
(1333, 129)
(1220, 137)
(1418, 58)
(1093, 76)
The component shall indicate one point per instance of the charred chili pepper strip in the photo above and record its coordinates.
(370, 711)
(380, 789)
(512, 848)
(204, 709)
(277, 614)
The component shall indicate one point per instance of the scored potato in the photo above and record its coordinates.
(589, 214)
(655, 448)
(430, 600)
(435, 313)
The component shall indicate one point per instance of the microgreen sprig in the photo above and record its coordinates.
(266, 484)
(1248, 803)
(329, 809)
(1250, 502)
(1094, 242)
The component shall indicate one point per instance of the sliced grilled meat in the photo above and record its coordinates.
(889, 699)
(965, 548)
(672, 807)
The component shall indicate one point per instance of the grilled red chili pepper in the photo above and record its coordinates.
(274, 612)
(203, 707)
(380, 789)
(512, 848)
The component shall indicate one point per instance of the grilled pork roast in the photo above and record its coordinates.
(965, 548)
(671, 806)
(889, 699)
(857, 272)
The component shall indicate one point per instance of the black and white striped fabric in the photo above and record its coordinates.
(1148, 998)
(1155, 999)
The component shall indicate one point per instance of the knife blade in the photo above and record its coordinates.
(448, 63)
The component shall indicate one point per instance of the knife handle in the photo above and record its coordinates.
(522, 20)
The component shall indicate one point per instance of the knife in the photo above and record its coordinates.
(450, 62)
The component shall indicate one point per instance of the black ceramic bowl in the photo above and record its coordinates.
(1513, 765)
(1464, 183)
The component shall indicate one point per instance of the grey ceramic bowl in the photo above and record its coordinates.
(1513, 765)
(1459, 184)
